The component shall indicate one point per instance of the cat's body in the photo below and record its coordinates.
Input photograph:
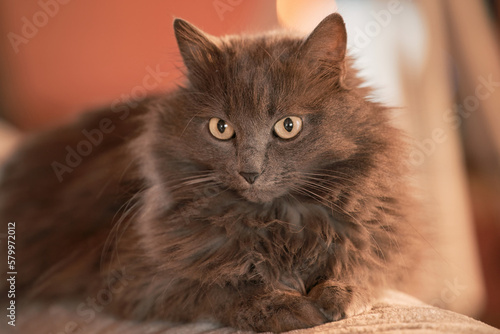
(162, 220)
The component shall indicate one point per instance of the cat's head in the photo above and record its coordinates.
(272, 115)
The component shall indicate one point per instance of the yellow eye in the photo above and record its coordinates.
(288, 127)
(220, 129)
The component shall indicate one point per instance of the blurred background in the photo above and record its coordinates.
(436, 61)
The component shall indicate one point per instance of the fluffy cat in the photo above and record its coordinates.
(268, 193)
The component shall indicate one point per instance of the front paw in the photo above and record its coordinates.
(278, 311)
(339, 301)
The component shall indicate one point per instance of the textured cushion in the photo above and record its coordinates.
(395, 312)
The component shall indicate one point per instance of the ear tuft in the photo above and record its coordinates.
(196, 47)
(328, 42)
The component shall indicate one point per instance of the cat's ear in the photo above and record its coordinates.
(197, 47)
(326, 45)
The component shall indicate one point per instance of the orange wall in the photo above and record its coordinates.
(88, 53)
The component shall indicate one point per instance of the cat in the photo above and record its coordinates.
(267, 193)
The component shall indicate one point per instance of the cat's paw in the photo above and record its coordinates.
(279, 311)
(339, 301)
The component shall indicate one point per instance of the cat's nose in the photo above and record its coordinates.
(250, 177)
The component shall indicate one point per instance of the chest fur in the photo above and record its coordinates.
(231, 242)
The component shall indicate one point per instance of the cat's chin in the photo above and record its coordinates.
(259, 196)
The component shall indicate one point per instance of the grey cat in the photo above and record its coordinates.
(267, 193)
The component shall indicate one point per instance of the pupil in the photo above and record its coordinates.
(288, 124)
(221, 126)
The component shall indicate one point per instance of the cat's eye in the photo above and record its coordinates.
(220, 129)
(288, 127)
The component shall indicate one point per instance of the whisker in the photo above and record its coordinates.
(318, 186)
(326, 177)
(331, 205)
(126, 208)
(190, 183)
(193, 173)
(115, 254)
(185, 181)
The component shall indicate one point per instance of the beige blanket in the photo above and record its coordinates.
(394, 313)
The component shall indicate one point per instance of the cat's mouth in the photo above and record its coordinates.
(259, 194)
